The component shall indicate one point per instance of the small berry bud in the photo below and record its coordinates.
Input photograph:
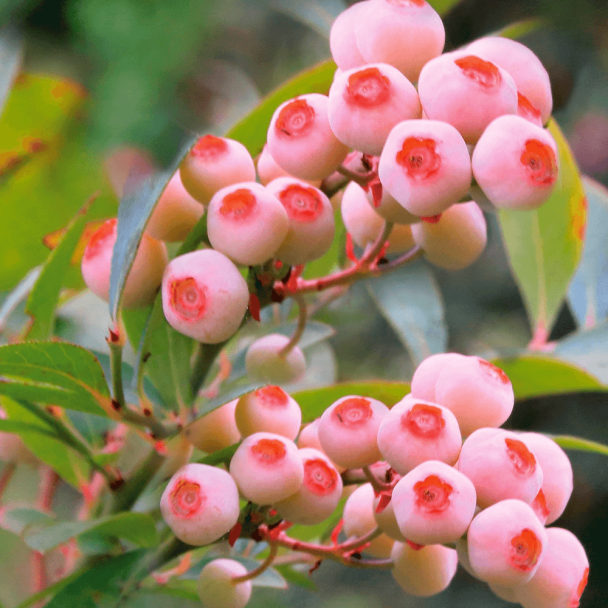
(215, 586)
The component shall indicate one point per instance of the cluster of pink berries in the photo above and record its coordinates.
(432, 500)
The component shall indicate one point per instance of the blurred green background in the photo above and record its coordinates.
(158, 70)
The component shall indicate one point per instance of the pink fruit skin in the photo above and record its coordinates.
(425, 377)
(516, 163)
(342, 38)
(467, 98)
(215, 430)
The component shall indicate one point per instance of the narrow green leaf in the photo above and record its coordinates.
(19, 428)
(536, 375)
(252, 130)
(56, 373)
(134, 212)
(181, 588)
(223, 456)
(11, 56)
(21, 520)
(519, 28)
(410, 300)
(138, 528)
(588, 292)
(582, 445)
(314, 402)
(587, 350)
(45, 294)
(544, 245)
(443, 6)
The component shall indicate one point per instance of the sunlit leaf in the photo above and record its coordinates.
(588, 350)
(582, 445)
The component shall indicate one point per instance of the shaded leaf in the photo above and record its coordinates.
(587, 349)
(544, 245)
(56, 373)
(519, 28)
(317, 14)
(11, 56)
(410, 300)
(19, 428)
(181, 588)
(534, 376)
(582, 445)
(20, 520)
(588, 292)
(314, 402)
(17, 295)
(297, 577)
(223, 456)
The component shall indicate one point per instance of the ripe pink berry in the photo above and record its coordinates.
(390, 209)
(478, 393)
(557, 474)
(204, 296)
(348, 431)
(562, 576)
(319, 493)
(365, 225)
(246, 223)
(215, 430)
(301, 140)
(365, 103)
(403, 33)
(342, 38)
(467, 92)
(524, 66)
(426, 374)
(359, 520)
(423, 571)
(425, 166)
(144, 277)
(309, 436)
(214, 163)
(269, 409)
(311, 220)
(175, 214)
(506, 543)
(215, 586)
(267, 468)
(456, 240)
(386, 520)
(417, 431)
(200, 504)
(516, 163)
(434, 503)
(264, 361)
(501, 466)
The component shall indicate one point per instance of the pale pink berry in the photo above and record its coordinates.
(267, 468)
(423, 571)
(214, 431)
(504, 593)
(311, 220)
(342, 38)
(386, 520)
(214, 163)
(467, 92)
(562, 576)
(524, 66)
(390, 209)
(246, 223)
(309, 436)
(478, 393)
(462, 550)
(175, 213)
(425, 166)
(516, 163)
(359, 520)
(200, 504)
(204, 296)
(418, 431)
(319, 493)
(434, 503)
(557, 475)
(265, 361)
(268, 409)
(403, 33)
(456, 239)
(348, 431)
(500, 467)
(425, 377)
(365, 225)
(365, 103)
(268, 169)
(216, 589)
(301, 140)
(506, 543)
(146, 273)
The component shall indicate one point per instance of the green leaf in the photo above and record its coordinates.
(534, 376)
(410, 300)
(223, 456)
(291, 575)
(17, 295)
(314, 402)
(138, 528)
(45, 294)
(11, 56)
(134, 212)
(56, 373)
(181, 588)
(588, 292)
(101, 583)
(443, 6)
(582, 445)
(331, 259)
(544, 245)
(519, 28)
(317, 15)
(21, 520)
(252, 130)
(50, 590)
(19, 428)
(588, 350)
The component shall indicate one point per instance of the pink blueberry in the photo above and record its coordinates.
(265, 362)
(216, 589)
(425, 377)
(342, 38)
(214, 431)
